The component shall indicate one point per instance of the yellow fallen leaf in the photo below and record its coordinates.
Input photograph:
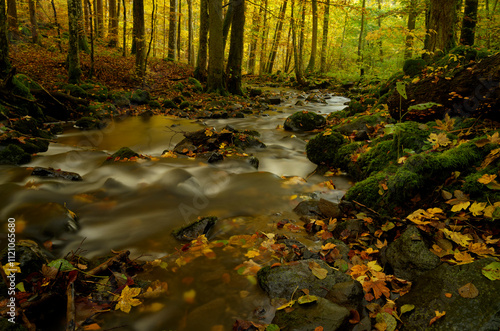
(486, 179)
(469, 290)
(189, 296)
(11, 268)
(126, 299)
(477, 208)
(252, 253)
(317, 271)
(459, 206)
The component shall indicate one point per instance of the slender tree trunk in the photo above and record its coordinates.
(35, 39)
(179, 19)
(172, 35)
(361, 31)
(379, 42)
(228, 19)
(4, 43)
(124, 29)
(298, 64)
(302, 27)
(140, 55)
(252, 49)
(57, 25)
(276, 39)
(324, 40)
(74, 70)
(12, 19)
(235, 58)
(201, 63)
(215, 81)
(314, 45)
(342, 41)
(469, 22)
(88, 5)
(412, 20)
(100, 18)
(263, 40)
(190, 54)
(442, 18)
(289, 51)
(86, 16)
(83, 43)
(153, 19)
(113, 24)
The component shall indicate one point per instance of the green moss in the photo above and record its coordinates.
(140, 97)
(88, 123)
(75, 91)
(179, 87)
(322, 149)
(13, 154)
(404, 185)
(367, 191)
(186, 94)
(154, 104)
(304, 121)
(28, 82)
(123, 153)
(184, 105)
(20, 89)
(413, 67)
(377, 158)
(410, 135)
(196, 85)
(345, 153)
(169, 104)
(178, 99)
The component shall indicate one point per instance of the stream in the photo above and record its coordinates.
(136, 205)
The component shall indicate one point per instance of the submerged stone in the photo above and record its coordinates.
(192, 231)
(124, 153)
(53, 173)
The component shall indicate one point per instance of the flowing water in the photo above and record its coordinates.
(136, 205)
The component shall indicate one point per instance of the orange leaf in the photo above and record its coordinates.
(468, 291)
(318, 328)
(378, 288)
(438, 316)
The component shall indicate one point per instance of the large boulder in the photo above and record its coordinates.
(282, 281)
(431, 292)
(304, 121)
(322, 149)
(409, 256)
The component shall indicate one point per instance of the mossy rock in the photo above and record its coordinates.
(195, 84)
(322, 149)
(179, 87)
(178, 99)
(89, 123)
(28, 82)
(31, 126)
(345, 153)
(304, 121)
(20, 89)
(360, 123)
(154, 104)
(184, 105)
(124, 153)
(186, 94)
(75, 91)
(13, 154)
(367, 190)
(376, 159)
(169, 104)
(140, 97)
(97, 91)
(413, 67)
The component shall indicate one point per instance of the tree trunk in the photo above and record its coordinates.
(324, 40)
(57, 25)
(83, 43)
(361, 33)
(35, 39)
(235, 58)
(178, 40)
(172, 35)
(190, 54)
(469, 22)
(379, 23)
(228, 19)
(99, 11)
(252, 48)
(124, 29)
(86, 16)
(215, 81)
(263, 40)
(140, 51)
(412, 20)
(441, 21)
(87, 4)
(201, 64)
(302, 25)
(4, 43)
(74, 71)
(276, 39)
(113, 24)
(298, 64)
(314, 45)
(12, 19)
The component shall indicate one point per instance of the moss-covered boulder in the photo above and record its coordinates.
(140, 97)
(97, 91)
(89, 123)
(75, 90)
(169, 104)
(304, 121)
(195, 84)
(28, 82)
(31, 126)
(124, 153)
(413, 67)
(322, 149)
(362, 123)
(13, 154)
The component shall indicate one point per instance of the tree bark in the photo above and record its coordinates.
(215, 81)
(252, 48)
(178, 38)
(263, 40)
(298, 64)
(235, 58)
(412, 20)
(113, 24)
(172, 35)
(4, 43)
(190, 54)
(140, 52)
(83, 43)
(324, 40)
(99, 12)
(201, 64)
(469, 22)
(124, 29)
(35, 39)
(276, 39)
(441, 21)
(361, 33)
(314, 41)
(12, 19)
(228, 19)
(74, 70)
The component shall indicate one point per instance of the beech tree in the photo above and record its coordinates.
(4, 43)
(201, 63)
(113, 24)
(139, 38)
(276, 39)
(172, 35)
(235, 58)
(441, 22)
(324, 40)
(74, 70)
(469, 21)
(314, 41)
(12, 19)
(410, 26)
(215, 82)
(35, 39)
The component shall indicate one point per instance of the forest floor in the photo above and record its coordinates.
(434, 232)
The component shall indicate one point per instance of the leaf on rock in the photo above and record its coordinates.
(477, 208)
(385, 321)
(486, 179)
(461, 205)
(305, 299)
(126, 300)
(438, 316)
(289, 304)
(317, 271)
(461, 239)
(439, 140)
(468, 291)
(492, 271)
(463, 258)
(406, 308)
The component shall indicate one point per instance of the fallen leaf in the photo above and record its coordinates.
(492, 271)
(406, 308)
(287, 305)
(477, 208)
(439, 140)
(126, 299)
(305, 299)
(469, 290)
(189, 296)
(438, 316)
(459, 206)
(448, 295)
(317, 271)
(486, 179)
(11, 267)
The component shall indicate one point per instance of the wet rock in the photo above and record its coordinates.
(274, 100)
(140, 97)
(361, 123)
(300, 103)
(53, 173)
(347, 294)
(124, 153)
(195, 229)
(304, 121)
(298, 251)
(90, 123)
(322, 313)
(409, 256)
(146, 113)
(121, 100)
(361, 135)
(169, 104)
(13, 154)
(314, 98)
(254, 92)
(318, 208)
(341, 247)
(322, 149)
(215, 157)
(428, 295)
(351, 228)
(281, 281)
(29, 256)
